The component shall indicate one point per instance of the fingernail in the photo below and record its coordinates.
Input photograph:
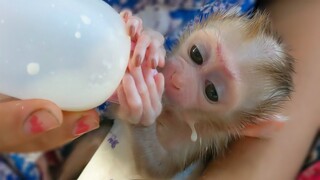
(40, 121)
(84, 125)
(154, 64)
(138, 60)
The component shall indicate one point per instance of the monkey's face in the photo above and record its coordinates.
(199, 75)
(216, 72)
(227, 70)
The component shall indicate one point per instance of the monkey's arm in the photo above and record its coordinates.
(156, 147)
(140, 95)
(151, 158)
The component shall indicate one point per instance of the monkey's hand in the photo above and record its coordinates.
(147, 44)
(140, 91)
(140, 94)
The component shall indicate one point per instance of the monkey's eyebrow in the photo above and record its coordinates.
(226, 66)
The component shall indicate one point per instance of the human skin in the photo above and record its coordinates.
(282, 155)
(37, 125)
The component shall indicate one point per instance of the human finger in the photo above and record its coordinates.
(74, 125)
(22, 119)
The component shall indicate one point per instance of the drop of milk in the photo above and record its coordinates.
(33, 68)
(194, 135)
(77, 35)
(85, 19)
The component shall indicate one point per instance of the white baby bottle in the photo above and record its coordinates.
(71, 52)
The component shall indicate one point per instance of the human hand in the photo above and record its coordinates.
(34, 125)
(140, 91)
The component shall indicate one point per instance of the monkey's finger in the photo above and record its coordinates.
(143, 90)
(152, 55)
(139, 29)
(133, 24)
(159, 80)
(125, 14)
(155, 35)
(154, 97)
(156, 52)
(156, 57)
(140, 83)
(136, 73)
(124, 107)
(147, 114)
(140, 49)
(134, 27)
(133, 99)
(149, 76)
(162, 56)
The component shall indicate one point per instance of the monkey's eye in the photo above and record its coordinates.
(211, 92)
(195, 55)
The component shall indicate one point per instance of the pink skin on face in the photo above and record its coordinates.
(185, 81)
(177, 84)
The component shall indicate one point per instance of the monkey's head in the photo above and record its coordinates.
(229, 72)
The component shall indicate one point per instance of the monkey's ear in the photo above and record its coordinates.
(265, 128)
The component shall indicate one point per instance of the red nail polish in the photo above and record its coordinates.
(36, 126)
(84, 125)
(81, 128)
(40, 121)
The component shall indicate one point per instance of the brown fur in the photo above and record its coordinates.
(277, 70)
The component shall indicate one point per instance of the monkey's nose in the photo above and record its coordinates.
(176, 81)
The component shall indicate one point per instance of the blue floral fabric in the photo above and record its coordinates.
(171, 16)
(18, 166)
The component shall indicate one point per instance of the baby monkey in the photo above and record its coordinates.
(227, 78)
